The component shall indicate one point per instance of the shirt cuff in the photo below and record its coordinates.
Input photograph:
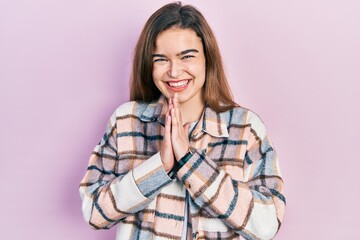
(180, 164)
(198, 173)
(151, 177)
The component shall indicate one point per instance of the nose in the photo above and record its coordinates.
(175, 69)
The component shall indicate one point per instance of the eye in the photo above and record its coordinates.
(160, 60)
(187, 57)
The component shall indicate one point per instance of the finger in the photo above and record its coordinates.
(166, 153)
(168, 120)
(171, 105)
(168, 111)
(174, 120)
(177, 109)
(167, 133)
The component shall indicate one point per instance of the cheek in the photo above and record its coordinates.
(158, 72)
(198, 70)
(155, 75)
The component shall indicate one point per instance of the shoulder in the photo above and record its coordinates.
(247, 117)
(125, 109)
(128, 110)
(134, 108)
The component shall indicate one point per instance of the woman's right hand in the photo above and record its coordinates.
(166, 152)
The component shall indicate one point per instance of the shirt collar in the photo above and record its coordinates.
(211, 122)
(155, 111)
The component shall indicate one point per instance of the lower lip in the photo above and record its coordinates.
(177, 89)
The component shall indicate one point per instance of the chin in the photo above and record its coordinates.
(183, 99)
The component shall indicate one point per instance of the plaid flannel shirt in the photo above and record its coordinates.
(233, 178)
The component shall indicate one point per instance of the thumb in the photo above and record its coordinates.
(186, 128)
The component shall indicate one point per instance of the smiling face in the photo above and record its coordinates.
(179, 65)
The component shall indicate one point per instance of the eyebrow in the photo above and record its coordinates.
(181, 53)
(187, 51)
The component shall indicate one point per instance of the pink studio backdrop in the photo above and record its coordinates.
(64, 68)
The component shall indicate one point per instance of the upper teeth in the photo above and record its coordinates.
(178, 84)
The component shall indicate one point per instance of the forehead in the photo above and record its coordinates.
(176, 40)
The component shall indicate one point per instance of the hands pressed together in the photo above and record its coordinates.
(175, 143)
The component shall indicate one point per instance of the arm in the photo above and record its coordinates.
(108, 196)
(254, 207)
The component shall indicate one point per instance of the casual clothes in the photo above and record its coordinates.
(233, 179)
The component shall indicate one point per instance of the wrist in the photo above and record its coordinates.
(166, 164)
(182, 161)
(183, 153)
(168, 169)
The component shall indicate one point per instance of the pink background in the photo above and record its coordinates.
(64, 68)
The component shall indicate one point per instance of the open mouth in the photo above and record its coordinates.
(178, 84)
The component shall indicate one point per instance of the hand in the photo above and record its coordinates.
(166, 152)
(179, 133)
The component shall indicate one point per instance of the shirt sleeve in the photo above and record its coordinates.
(109, 197)
(253, 208)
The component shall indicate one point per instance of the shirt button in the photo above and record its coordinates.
(187, 184)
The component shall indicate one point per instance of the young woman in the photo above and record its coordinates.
(182, 160)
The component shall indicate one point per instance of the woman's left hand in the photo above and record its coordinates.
(179, 132)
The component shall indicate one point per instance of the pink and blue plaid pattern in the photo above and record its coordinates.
(233, 178)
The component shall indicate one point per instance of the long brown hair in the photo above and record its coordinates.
(142, 88)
